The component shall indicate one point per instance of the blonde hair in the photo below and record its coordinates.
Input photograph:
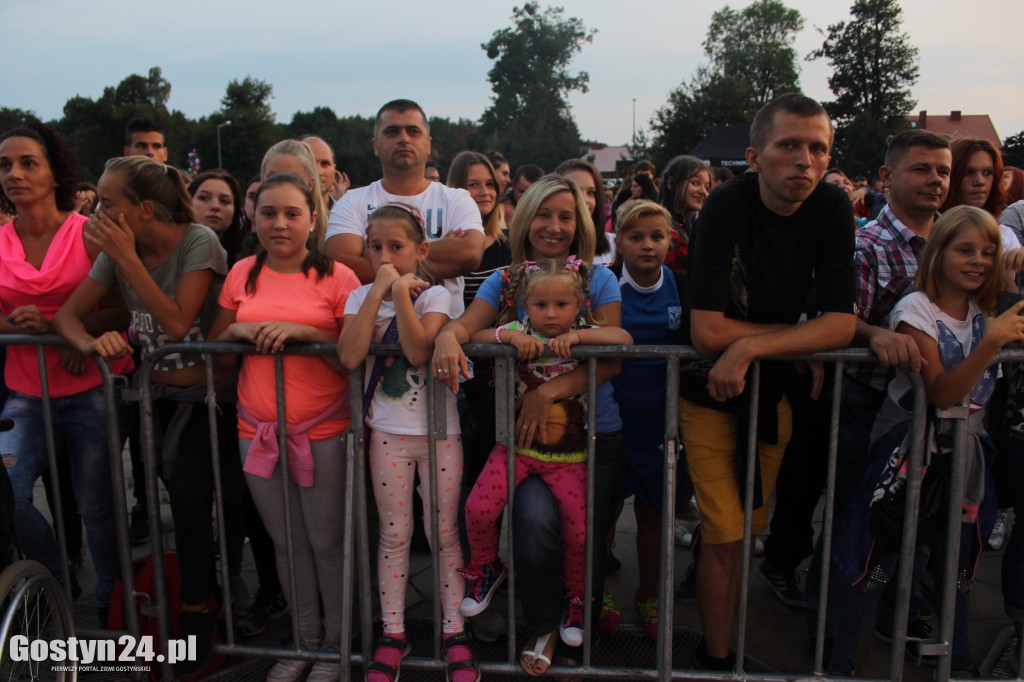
(947, 228)
(528, 274)
(632, 215)
(158, 183)
(583, 242)
(302, 152)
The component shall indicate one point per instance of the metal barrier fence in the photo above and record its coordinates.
(354, 508)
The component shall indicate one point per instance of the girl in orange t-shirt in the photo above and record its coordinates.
(290, 291)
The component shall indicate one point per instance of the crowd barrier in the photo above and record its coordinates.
(354, 509)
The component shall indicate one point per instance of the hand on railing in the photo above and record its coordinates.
(896, 350)
(71, 360)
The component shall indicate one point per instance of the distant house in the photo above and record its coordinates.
(958, 124)
(613, 162)
(725, 146)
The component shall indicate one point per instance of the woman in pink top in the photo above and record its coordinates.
(43, 258)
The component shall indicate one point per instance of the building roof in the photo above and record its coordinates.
(724, 146)
(958, 124)
(606, 157)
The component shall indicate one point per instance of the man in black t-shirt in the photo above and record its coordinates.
(759, 244)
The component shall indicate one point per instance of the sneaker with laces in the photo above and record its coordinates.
(997, 538)
(571, 629)
(648, 610)
(608, 621)
(482, 583)
(265, 608)
(241, 598)
(785, 585)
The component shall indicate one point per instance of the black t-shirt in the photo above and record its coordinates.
(755, 265)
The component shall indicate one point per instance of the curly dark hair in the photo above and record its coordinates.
(62, 162)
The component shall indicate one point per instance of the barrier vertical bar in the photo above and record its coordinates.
(218, 499)
(359, 481)
(286, 492)
(753, 390)
(828, 513)
(910, 513)
(51, 456)
(588, 589)
(505, 425)
(950, 571)
(663, 658)
(120, 506)
(348, 563)
(437, 431)
(153, 495)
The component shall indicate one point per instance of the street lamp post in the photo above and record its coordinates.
(220, 162)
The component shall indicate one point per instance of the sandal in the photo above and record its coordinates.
(459, 640)
(535, 659)
(386, 645)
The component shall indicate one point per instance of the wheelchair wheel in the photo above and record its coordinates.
(34, 605)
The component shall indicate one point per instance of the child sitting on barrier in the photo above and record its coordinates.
(551, 294)
(290, 291)
(169, 270)
(402, 306)
(957, 284)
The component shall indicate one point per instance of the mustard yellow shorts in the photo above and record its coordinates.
(709, 437)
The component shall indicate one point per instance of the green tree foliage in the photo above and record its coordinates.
(1013, 150)
(751, 60)
(252, 130)
(755, 45)
(95, 128)
(529, 118)
(874, 67)
(16, 118)
(349, 136)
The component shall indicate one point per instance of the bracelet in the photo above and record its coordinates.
(497, 335)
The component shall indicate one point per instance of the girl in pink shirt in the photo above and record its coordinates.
(290, 291)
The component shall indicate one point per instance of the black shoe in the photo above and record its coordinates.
(265, 608)
(138, 527)
(612, 563)
(919, 641)
(202, 625)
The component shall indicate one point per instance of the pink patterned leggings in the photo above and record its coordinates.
(394, 462)
(568, 483)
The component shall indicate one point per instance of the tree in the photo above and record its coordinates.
(529, 118)
(755, 45)
(751, 60)
(873, 68)
(1013, 150)
(16, 118)
(246, 104)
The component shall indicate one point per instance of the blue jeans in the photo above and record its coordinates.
(537, 537)
(80, 425)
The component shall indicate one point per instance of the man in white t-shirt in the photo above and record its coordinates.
(401, 140)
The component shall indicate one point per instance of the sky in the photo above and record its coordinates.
(353, 56)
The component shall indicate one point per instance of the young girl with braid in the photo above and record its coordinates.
(552, 293)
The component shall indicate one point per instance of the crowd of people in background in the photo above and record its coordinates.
(789, 258)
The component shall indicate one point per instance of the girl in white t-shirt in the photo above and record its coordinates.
(958, 279)
(402, 306)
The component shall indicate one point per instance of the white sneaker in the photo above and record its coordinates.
(997, 538)
(683, 534)
(288, 670)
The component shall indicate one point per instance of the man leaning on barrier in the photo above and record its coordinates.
(760, 243)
